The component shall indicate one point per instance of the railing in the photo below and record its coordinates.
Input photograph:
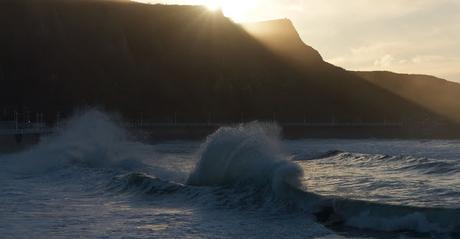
(146, 125)
(43, 129)
(26, 131)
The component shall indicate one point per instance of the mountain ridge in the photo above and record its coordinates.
(181, 63)
(436, 94)
(281, 36)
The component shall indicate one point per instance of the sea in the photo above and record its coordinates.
(94, 179)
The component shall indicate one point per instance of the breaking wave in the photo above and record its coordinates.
(91, 139)
(399, 162)
(241, 166)
(246, 154)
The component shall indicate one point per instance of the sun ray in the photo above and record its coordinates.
(213, 5)
(237, 10)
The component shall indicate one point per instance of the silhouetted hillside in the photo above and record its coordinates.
(436, 94)
(162, 61)
(282, 38)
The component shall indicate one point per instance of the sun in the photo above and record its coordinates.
(238, 10)
(213, 5)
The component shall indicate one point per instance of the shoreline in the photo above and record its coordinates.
(9, 143)
(293, 132)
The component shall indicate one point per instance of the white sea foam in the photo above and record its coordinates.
(89, 139)
(249, 154)
(236, 166)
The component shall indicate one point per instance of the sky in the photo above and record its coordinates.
(406, 36)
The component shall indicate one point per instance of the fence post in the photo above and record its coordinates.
(58, 118)
(16, 121)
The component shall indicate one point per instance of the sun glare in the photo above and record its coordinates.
(213, 5)
(238, 10)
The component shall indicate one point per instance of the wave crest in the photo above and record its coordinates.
(143, 183)
(248, 154)
(91, 139)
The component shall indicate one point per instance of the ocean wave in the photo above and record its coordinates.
(90, 139)
(248, 159)
(399, 162)
(330, 211)
(384, 217)
(245, 154)
(305, 156)
(250, 155)
(238, 167)
(143, 183)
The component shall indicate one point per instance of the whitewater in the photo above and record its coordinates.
(93, 179)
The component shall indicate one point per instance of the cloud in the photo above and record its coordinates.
(385, 61)
(419, 36)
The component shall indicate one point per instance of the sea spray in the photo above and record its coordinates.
(245, 154)
(248, 159)
(89, 139)
(238, 167)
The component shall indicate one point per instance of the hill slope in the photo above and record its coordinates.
(163, 60)
(282, 38)
(437, 95)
